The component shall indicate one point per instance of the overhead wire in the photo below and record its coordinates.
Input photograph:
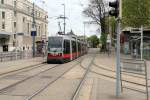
(69, 19)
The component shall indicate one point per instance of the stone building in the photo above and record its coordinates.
(16, 17)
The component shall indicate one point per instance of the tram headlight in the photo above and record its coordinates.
(59, 54)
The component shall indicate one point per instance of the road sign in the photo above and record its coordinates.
(33, 33)
(135, 30)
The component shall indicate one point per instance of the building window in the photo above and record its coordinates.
(3, 15)
(15, 3)
(13, 43)
(28, 9)
(39, 14)
(45, 29)
(14, 36)
(15, 13)
(28, 25)
(39, 31)
(36, 13)
(45, 17)
(3, 25)
(15, 24)
(23, 48)
(2, 1)
(23, 19)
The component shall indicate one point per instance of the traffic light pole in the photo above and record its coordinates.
(116, 5)
(141, 45)
(118, 85)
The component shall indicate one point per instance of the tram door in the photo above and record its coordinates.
(5, 48)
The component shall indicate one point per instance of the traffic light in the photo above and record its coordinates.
(115, 8)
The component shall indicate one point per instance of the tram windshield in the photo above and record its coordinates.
(55, 44)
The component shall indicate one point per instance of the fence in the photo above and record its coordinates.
(146, 53)
(8, 56)
(136, 68)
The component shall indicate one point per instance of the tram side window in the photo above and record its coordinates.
(79, 47)
(66, 46)
(73, 46)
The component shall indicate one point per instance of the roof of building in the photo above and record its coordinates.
(129, 29)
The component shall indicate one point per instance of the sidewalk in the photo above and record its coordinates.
(110, 61)
(19, 64)
(103, 88)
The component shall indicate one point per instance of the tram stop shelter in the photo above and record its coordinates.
(131, 42)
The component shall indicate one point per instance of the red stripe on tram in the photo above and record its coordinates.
(67, 56)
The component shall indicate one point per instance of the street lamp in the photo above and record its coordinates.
(84, 29)
(16, 44)
(64, 18)
(33, 32)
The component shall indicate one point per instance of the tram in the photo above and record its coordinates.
(65, 48)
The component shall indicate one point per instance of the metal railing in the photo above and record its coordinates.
(138, 68)
(9, 56)
(146, 53)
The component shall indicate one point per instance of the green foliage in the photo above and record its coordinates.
(135, 13)
(103, 39)
(94, 40)
(112, 24)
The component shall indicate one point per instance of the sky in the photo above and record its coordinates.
(74, 14)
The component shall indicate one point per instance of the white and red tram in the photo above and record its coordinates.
(64, 48)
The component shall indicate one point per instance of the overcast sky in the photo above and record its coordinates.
(74, 13)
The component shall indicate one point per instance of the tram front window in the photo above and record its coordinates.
(55, 44)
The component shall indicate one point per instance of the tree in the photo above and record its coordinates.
(103, 40)
(96, 11)
(94, 40)
(135, 13)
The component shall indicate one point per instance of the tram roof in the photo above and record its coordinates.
(70, 37)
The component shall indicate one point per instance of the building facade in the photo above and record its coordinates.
(16, 20)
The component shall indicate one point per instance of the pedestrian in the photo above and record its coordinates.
(43, 52)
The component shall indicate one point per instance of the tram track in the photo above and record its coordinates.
(113, 71)
(75, 95)
(81, 83)
(4, 90)
(113, 77)
(50, 83)
(59, 77)
(28, 77)
(18, 71)
(22, 69)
